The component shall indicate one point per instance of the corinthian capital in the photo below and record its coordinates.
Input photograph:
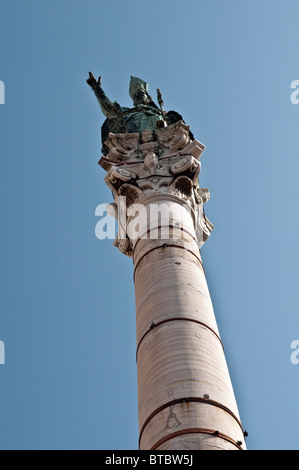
(157, 162)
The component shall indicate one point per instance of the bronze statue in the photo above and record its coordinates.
(144, 115)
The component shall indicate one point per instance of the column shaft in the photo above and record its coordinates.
(186, 400)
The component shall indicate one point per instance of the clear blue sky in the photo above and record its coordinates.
(67, 299)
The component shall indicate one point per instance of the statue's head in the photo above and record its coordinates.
(139, 91)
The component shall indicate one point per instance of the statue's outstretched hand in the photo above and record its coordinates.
(92, 81)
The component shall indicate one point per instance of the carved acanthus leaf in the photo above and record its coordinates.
(154, 162)
(131, 192)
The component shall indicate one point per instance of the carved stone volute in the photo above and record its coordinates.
(161, 161)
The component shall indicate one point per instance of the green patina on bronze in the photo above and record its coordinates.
(144, 115)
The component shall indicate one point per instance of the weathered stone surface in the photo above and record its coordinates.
(179, 351)
(186, 399)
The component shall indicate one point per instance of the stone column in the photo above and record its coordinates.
(185, 395)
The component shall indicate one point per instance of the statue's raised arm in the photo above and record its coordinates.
(109, 109)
